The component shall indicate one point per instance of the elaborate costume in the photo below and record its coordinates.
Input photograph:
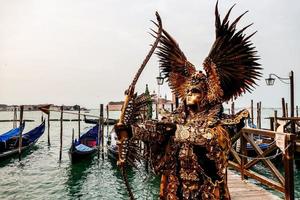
(190, 146)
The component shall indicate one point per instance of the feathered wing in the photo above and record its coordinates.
(137, 108)
(174, 65)
(231, 65)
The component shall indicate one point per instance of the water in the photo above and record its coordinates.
(40, 176)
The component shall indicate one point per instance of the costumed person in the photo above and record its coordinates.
(190, 147)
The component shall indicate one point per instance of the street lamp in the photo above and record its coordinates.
(290, 80)
(160, 81)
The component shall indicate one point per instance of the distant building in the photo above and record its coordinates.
(3, 107)
(115, 106)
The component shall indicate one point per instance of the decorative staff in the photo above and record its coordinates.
(123, 135)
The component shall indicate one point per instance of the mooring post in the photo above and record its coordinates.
(61, 132)
(172, 107)
(42, 117)
(99, 132)
(107, 124)
(289, 167)
(176, 101)
(48, 128)
(297, 111)
(232, 108)
(102, 128)
(286, 109)
(21, 131)
(252, 112)
(73, 131)
(258, 115)
(243, 152)
(275, 120)
(146, 155)
(15, 117)
(78, 122)
(283, 107)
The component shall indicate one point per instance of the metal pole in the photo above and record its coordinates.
(292, 101)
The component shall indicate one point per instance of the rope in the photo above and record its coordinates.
(265, 158)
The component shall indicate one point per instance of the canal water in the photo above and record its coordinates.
(41, 176)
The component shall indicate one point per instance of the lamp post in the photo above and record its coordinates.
(290, 80)
(160, 81)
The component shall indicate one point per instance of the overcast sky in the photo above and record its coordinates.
(86, 52)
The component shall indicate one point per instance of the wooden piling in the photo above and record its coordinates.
(275, 120)
(258, 120)
(176, 101)
(99, 131)
(61, 132)
(252, 112)
(172, 107)
(107, 124)
(286, 109)
(283, 107)
(297, 111)
(156, 110)
(232, 108)
(243, 159)
(73, 131)
(78, 122)
(21, 131)
(15, 118)
(48, 128)
(146, 155)
(289, 168)
(101, 127)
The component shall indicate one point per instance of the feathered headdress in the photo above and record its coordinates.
(231, 66)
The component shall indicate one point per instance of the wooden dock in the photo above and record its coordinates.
(243, 190)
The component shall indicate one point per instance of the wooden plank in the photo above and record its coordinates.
(268, 163)
(266, 133)
(243, 190)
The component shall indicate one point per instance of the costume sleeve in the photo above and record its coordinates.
(153, 131)
(233, 124)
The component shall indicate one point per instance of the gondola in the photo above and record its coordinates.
(28, 140)
(251, 151)
(86, 146)
(7, 135)
(113, 152)
(96, 121)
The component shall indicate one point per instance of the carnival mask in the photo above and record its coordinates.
(197, 89)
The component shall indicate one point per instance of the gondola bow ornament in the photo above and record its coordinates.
(123, 134)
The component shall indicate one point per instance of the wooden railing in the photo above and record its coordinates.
(283, 182)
